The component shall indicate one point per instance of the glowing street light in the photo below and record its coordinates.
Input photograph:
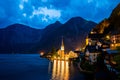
(41, 53)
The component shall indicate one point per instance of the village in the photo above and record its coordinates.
(101, 53)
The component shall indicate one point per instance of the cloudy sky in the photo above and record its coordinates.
(40, 13)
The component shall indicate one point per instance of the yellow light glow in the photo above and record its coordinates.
(87, 41)
(66, 58)
(108, 37)
(54, 69)
(118, 44)
(60, 70)
(83, 48)
(113, 62)
(66, 77)
(58, 58)
(112, 45)
(62, 48)
(91, 32)
(42, 53)
(54, 57)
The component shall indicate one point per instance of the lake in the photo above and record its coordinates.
(32, 67)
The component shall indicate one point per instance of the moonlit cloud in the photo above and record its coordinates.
(25, 0)
(47, 13)
(21, 6)
(45, 19)
(24, 14)
(40, 13)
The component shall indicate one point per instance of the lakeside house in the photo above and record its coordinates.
(93, 47)
(115, 41)
(102, 44)
(110, 49)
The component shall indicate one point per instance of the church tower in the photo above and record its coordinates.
(62, 45)
(62, 50)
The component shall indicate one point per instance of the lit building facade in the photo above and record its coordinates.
(61, 51)
(91, 54)
(63, 55)
(93, 46)
(115, 39)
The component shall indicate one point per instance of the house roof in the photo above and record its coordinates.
(91, 49)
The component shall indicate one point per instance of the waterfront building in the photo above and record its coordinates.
(93, 47)
(61, 51)
(63, 55)
(91, 53)
(115, 41)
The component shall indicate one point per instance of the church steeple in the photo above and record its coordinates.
(62, 45)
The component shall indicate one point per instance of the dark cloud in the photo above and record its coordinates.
(39, 13)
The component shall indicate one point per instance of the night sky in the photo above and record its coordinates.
(40, 13)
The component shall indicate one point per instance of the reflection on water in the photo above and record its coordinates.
(31, 67)
(60, 70)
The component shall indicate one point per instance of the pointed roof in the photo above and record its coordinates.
(62, 44)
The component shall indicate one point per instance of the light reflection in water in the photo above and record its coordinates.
(60, 70)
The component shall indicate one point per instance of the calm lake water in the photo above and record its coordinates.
(32, 67)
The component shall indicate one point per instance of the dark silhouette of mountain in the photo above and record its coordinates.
(115, 19)
(50, 28)
(18, 38)
(110, 25)
(73, 31)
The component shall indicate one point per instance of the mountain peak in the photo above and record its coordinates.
(24, 38)
(110, 25)
(57, 22)
(77, 19)
(116, 12)
(54, 25)
(18, 26)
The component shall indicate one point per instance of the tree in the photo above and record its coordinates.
(54, 52)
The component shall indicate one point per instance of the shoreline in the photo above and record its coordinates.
(82, 70)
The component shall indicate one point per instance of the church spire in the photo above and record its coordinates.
(62, 45)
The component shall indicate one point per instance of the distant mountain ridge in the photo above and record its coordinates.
(20, 38)
(110, 25)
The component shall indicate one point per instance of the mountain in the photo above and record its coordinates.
(18, 38)
(50, 28)
(110, 25)
(74, 32)
(115, 19)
